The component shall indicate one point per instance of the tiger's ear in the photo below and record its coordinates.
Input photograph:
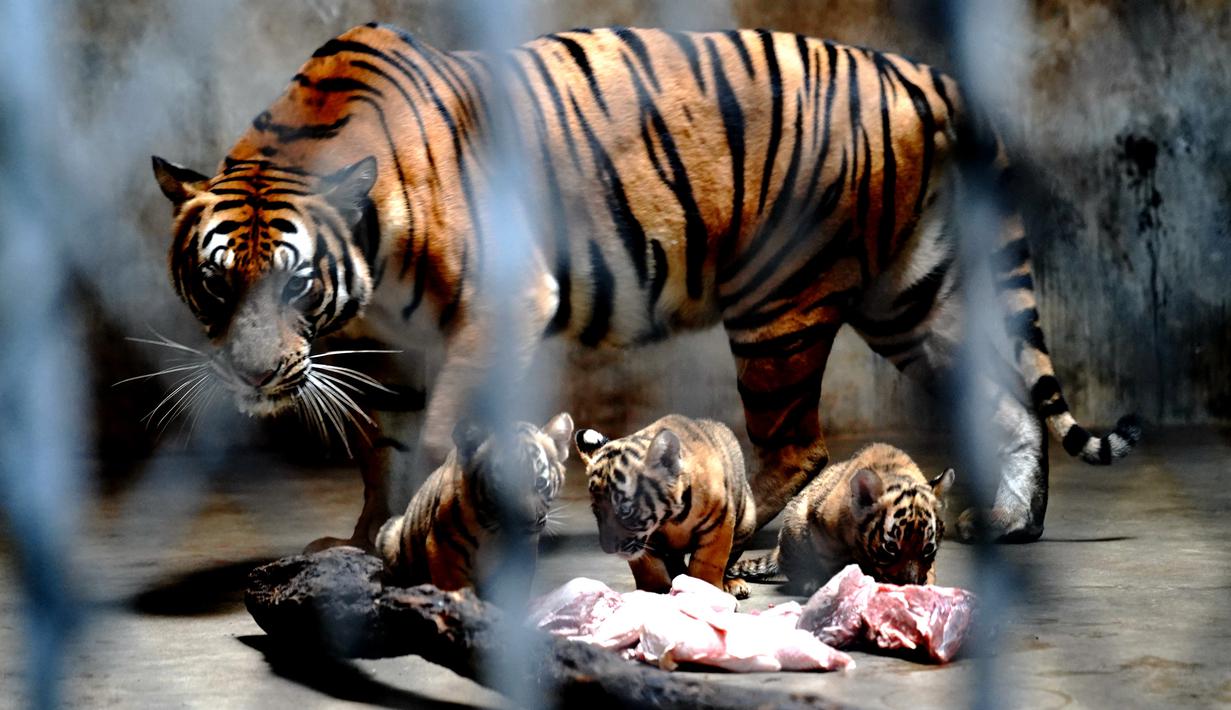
(940, 485)
(178, 183)
(588, 441)
(664, 453)
(560, 429)
(468, 436)
(866, 488)
(347, 189)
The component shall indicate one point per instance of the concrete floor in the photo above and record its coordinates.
(1124, 603)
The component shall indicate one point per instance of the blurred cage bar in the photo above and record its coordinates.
(83, 237)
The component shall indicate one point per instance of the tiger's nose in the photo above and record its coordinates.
(258, 379)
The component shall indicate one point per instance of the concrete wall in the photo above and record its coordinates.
(1117, 118)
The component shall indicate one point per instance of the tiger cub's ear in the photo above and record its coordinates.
(588, 441)
(178, 183)
(347, 189)
(866, 488)
(940, 485)
(664, 454)
(560, 429)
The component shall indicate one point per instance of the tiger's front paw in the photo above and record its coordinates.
(737, 587)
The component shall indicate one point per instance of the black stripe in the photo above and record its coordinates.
(1014, 282)
(661, 269)
(769, 228)
(683, 40)
(630, 231)
(449, 312)
(784, 345)
(557, 101)
(1024, 324)
(733, 126)
(696, 235)
(289, 134)
(686, 502)
(1011, 256)
(1075, 440)
(775, 126)
(919, 300)
(927, 124)
(708, 525)
(805, 58)
(738, 40)
(554, 194)
(782, 397)
(578, 53)
(630, 38)
(889, 172)
(601, 299)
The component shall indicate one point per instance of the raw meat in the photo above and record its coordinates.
(853, 607)
(694, 623)
(572, 609)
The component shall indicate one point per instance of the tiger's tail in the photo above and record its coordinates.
(1014, 283)
(757, 569)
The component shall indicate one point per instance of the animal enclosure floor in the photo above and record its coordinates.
(1125, 602)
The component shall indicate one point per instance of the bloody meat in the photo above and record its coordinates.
(853, 608)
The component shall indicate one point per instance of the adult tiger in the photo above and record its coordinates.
(778, 184)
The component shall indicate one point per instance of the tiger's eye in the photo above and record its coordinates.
(215, 283)
(297, 287)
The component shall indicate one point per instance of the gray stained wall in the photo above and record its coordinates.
(1117, 118)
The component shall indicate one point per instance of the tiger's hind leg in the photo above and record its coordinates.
(779, 367)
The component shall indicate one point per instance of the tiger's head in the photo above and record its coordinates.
(513, 476)
(633, 487)
(268, 258)
(899, 524)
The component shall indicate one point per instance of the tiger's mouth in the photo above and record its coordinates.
(259, 404)
(631, 549)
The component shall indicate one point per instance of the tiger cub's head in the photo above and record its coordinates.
(632, 485)
(899, 522)
(513, 476)
(268, 258)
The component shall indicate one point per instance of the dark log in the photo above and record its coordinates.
(337, 602)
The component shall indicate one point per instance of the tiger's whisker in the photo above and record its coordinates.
(180, 385)
(167, 371)
(353, 352)
(342, 399)
(353, 374)
(184, 399)
(164, 341)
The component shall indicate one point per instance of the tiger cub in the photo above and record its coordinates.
(876, 509)
(458, 511)
(674, 488)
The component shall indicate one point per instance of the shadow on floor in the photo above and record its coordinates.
(338, 678)
(214, 590)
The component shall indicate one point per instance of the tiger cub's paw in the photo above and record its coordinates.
(737, 587)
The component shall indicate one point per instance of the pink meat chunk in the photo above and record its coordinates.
(852, 607)
(695, 623)
(575, 608)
